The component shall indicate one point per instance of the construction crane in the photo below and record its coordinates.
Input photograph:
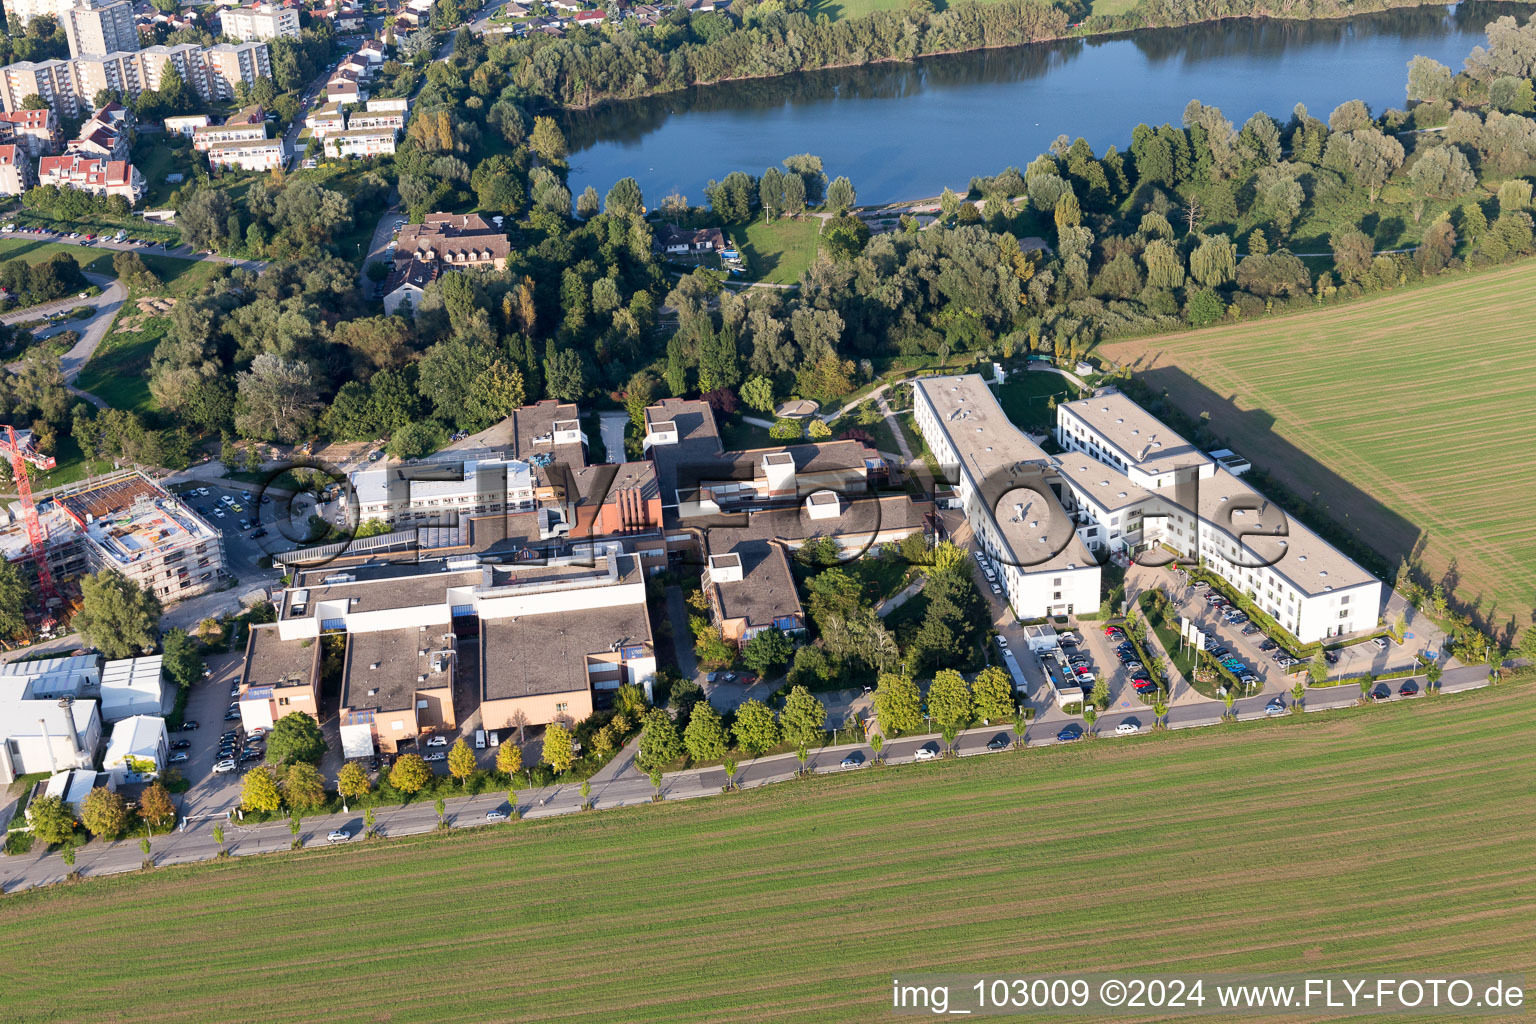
(19, 448)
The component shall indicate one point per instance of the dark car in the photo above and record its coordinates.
(1140, 674)
(1268, 645)
(1381, 692)
(998, 742)
(1331, 657)
(188, 726)
(181, 745)
(1250, 629)
(233, 716)
(1068, 734)
(1408, 689)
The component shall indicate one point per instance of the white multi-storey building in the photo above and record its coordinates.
(426, 491)
(1137, 484)
(259, 22)
(1001, 479)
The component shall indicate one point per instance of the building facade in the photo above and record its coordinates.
(107, 28)
(16, 174)
(259, 22)
(69, 86)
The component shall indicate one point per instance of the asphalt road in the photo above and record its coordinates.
(93, 329)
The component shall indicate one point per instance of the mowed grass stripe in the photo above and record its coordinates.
(1417, 398)
(1388, 837)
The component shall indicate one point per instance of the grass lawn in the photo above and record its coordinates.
(738, 436)
(1025, 398)
(35, 251)
(118, 372)
(1407, 417)
(72, 465)
(778, 252)
(1267, 846)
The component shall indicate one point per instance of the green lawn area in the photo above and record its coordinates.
(1025, 398)
(72, 465)
(739, 436)
(777, 252)
(36, 251)
(155, 158)
(1111, 7)
(118, 372)
(1405, 418)
(1280, 846)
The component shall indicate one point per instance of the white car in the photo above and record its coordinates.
(438, 741)
(224, 767)
(1002, 641)
(202, 492)
(341, 835)
(495, 815)
(1127, 729)
(924, 754)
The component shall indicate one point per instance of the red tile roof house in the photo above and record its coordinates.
(675, 240)
(93, 175)
(589, 17)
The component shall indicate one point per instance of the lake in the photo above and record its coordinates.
(904, 131)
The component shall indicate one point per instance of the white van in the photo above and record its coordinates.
(479, 739)
(495, 739)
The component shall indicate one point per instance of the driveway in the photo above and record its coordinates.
(93, 330)
(611, 426)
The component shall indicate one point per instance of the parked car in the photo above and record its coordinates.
(224, 767)
(1068, 734)
(437, 755)
(1114, 632)
(1408, 689)
(927, 752)
(1145, 686)
(1268, 645)
(1002, 641)
(1275, 707)
(1380, 643)
(853, 760)
(180, 758)
(495, 815)
(341, 835)
(1381, 692)
(1331, 656)
(1129, 727)
(999, 742)
(1200, 584)
(188, 726)
(996, 589)
(181, 745)
(1250, 629)
(438, 741)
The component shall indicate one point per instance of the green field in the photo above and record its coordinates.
(34, 251)
(777, 252)
(1354, 839)
(118, 372)
(1026, 399)
(1408, 415)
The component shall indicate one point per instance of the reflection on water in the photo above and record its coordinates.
(907, 130)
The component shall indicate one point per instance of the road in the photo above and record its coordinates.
(93, 329)
(175, 252)
(622, 788)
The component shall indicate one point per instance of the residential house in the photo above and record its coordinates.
(443, 241)
(373, 51)
(248, 155)
(205, 138)
(406, 284)
(593, 18)
(259, 22)
(185, 124)
(326, 119)
(345, 87)
(675, 241)
(360, 142)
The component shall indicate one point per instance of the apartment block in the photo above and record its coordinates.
(360, 142)
(134, 526)
(204, 139)
(16, 174)
(248, 155)
(107, 28)
(92, 174)
(259, 22)
(34, 131)
(68, 86)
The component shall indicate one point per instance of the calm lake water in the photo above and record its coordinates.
(903, 131)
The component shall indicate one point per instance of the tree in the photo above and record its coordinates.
(461, 761)
(258, 791)
(841, 196)
(1214, 261)
(756, 729)
(116, 616)
(992, 694)
(757, 393)
(547, 141)
(804, 718)
(949, 699)
(1365, 156)
(104, 812)
(303, 787)
(275, 399)
(1352, 253)
(876, 744)
(496, 185)
(898, 705)
(558, 750)
(704, 737)
(53, 820)
(155, 806)
(660, 745)
(624, 199)
(795, 196)
(768, 651)
(410, 774)
(1100, 697)
(1428, 80)
(509, 759)
(295, 737)
(352, 781)
(1443, 173)
(14, 596)
(180, 660)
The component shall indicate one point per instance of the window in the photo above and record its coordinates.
(397, 725)
(561, 708)
(282, 702)
(421, 704)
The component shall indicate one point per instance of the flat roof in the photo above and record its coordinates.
(384, 668)
(496, 477)
(1100, 482)
(766, 590)
(1311, 564)
(271, 661)
(698, 439)
(1010, 472)
(1140, 438)
(530, 655)
(983, 437)
(861, 518)
(378, 587)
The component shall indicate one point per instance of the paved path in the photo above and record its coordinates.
(611, 426)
